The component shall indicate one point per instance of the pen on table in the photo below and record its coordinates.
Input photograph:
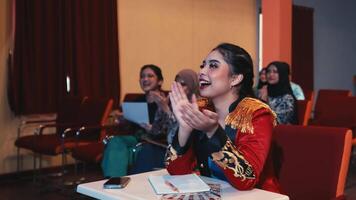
(174, 188)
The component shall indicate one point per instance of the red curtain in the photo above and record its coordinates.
(302, 47)
(59, 38)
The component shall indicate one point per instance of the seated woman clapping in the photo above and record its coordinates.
(233, 142)
(117, 154)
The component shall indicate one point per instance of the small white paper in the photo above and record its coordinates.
(184, 183)
(136, 112)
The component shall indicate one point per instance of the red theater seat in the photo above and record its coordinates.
(323, 100)
(340, 112)
(314, 162)
(304, 111)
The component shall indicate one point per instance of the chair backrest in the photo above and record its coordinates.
(304, 111)
(94, 112)
(68, 110)
(315, 160)
(323, 97)
(341, 112)
(309, 95)
(134, 97)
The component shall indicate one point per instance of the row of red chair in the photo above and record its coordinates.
(80, 127)
(333, 108)
(73, 113)
(315, 161)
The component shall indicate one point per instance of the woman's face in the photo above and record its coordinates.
(272, 75)
(263, 77)
(215, 76)
(184, 85)
(149, 80)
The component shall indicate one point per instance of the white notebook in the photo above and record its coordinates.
(173, 184)
(136, 112)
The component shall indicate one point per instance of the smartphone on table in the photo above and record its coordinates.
(117, 182)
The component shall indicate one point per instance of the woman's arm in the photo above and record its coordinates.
(161, 100)
(180, 159)
(242, 160)
(179, 100)
(162, 120)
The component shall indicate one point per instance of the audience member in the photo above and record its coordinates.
(279, 93)
(151, 155)
(117, 153)
(232, 143)
(297, 91)
(262, 81)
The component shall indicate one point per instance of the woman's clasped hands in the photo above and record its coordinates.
(188, 114)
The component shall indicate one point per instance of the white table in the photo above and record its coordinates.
(139, 188)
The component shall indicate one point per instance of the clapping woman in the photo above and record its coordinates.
(118, 151)
(233, 142)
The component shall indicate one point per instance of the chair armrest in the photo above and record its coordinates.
(70, 127)
(24, 122)
(154, 142)
(115, 128)
(67, 131)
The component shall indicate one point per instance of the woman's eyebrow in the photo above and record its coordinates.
(213, 60)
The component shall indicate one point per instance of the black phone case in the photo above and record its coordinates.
(116, 182)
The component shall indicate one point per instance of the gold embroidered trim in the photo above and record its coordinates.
(229, 158)
(241, 117)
